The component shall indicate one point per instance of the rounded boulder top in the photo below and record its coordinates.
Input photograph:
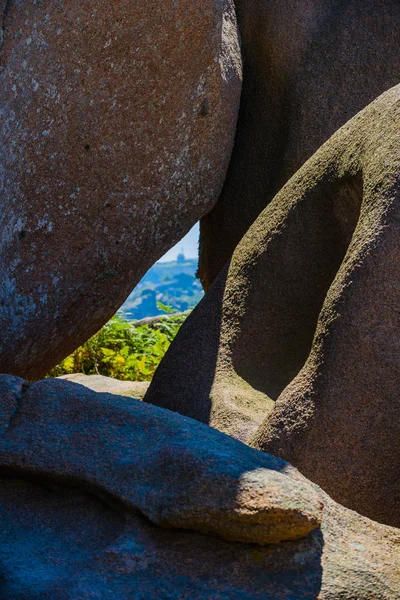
(116, 132)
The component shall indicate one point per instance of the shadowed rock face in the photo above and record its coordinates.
(309, 66)
(64, 544)
(310, 301)
(116, 130)
(104, 164)
(190, 476)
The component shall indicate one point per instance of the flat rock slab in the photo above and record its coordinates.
(177, 472)
(100, 383)
(146, 467)
(62, 544)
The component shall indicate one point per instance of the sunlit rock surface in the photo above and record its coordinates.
(117, 125)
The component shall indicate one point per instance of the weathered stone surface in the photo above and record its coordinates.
(64, 544)
(309, 66)
(100, 383)
(177, 472)
(11, 389)
(197, 378)
(311, 299)
(116, 132)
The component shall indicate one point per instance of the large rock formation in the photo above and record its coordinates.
(311, 299)
(64, 544)
(177, 472)
(309, 66)
(104, 164)
(116, 130)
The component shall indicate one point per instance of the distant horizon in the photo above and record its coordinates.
(174, 260)
(189, 245)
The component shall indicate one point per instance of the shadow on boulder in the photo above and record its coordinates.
(310, 301)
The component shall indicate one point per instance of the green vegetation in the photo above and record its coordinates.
(123, 350)
(128, 350)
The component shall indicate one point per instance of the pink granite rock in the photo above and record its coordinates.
(117, 124)
(58, 543)
(309, 66)
(177, 472)
(306, 314)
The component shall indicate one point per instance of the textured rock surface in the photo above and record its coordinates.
(177, 472)
(116, 132)
(311, 299)
(309, 66)
(99, 383)
(11, 389)
(199, 380)
(64, 544)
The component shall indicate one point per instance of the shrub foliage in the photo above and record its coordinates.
(123, 350)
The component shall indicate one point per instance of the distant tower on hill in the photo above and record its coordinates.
(181, 257)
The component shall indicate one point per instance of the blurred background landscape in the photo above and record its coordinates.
(170, 283)
(131, 345)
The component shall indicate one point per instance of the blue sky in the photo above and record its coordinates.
(189, 244)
